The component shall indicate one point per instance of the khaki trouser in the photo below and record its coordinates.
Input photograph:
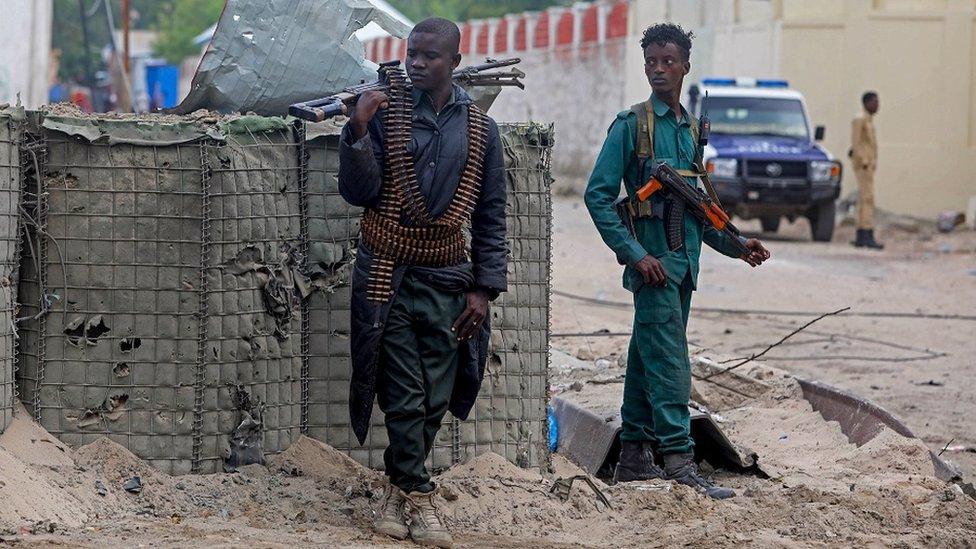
(865, 197)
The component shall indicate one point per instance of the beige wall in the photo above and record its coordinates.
(918, 54)
(25, 51)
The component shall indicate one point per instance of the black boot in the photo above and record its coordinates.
(859, 238)
(870, 242)
(636, 462)
(682, 469)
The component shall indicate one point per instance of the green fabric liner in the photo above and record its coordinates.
(131, 131)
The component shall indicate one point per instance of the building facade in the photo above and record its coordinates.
(584, 64)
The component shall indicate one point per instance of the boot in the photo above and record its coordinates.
(682, 469)
(636, 462)
(859, 238)
(870, 242)
(390, 517)
(425, 525)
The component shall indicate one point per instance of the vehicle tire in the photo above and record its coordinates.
(770, 224)
(822, 217)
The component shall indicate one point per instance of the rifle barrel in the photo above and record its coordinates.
(317, 110)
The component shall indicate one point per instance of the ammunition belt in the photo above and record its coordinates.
(400, 229)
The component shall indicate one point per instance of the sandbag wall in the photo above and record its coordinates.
(156, 272)
(10, 178)
(509, 417)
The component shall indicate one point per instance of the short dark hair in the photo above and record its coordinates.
(668, 33)
(441, 27)
(868, 95)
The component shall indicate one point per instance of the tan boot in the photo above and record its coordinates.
(425, 525)
(391, 519)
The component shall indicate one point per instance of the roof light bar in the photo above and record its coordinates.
(745, 82)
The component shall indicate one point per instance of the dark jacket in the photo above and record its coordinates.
(439, 145)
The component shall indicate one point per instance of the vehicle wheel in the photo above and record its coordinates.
(770, 224)
(822, 221)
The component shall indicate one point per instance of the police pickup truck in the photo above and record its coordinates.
(763, 155)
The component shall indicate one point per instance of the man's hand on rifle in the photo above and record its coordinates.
(367, 105)
(653, 272)
(758, 253)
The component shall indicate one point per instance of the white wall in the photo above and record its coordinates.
(25, 49)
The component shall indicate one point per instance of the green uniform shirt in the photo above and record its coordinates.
(674, 144)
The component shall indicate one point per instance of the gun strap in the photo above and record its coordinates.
(645, 137)
(707, 183)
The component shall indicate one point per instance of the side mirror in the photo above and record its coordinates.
(818, 133)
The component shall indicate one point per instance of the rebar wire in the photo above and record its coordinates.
(770, 347)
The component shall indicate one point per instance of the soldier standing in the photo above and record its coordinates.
(864, 155)
(657, 385)
(425, 163)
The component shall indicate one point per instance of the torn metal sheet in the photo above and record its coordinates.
(590, 439)
(265, 56)
(247, 440)
(861, 420)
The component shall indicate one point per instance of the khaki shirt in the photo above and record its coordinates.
(864, 142)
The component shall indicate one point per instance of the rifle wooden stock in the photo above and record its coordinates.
(698, 203)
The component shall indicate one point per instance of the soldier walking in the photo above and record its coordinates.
(657, 385)
(864, 156)
(425, 163)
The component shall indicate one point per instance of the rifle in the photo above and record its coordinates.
(698, 203)
(321, 109)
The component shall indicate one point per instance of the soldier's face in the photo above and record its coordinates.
(665, 67)
(431, 60)
(872, 105)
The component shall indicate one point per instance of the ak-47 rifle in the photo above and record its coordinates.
(699, 204)
(318, 110)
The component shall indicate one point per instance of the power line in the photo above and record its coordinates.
(719, 310)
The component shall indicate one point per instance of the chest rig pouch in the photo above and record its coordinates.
(671, 210)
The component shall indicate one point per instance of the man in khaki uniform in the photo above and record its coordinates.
(864, 156)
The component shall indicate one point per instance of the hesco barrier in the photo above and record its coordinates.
(165, 253)
(10, 178)
(186, 293)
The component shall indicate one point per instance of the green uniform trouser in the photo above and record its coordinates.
(658, 382)
(419, 363)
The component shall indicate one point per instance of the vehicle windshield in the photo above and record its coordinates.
(757, 116)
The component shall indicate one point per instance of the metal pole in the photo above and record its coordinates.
(125, 39)
(89, 79)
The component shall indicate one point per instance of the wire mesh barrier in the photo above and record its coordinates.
(10, 178)
(185, 291)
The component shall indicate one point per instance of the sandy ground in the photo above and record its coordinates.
(822, 491)
(835, 494)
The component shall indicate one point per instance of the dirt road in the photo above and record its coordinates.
(920, 369)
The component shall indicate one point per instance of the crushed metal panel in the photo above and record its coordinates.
(590, 439)
(585, 437)
(861, 420)
(265, 56)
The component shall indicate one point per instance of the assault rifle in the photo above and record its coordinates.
(321, 109)
(684, 196)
